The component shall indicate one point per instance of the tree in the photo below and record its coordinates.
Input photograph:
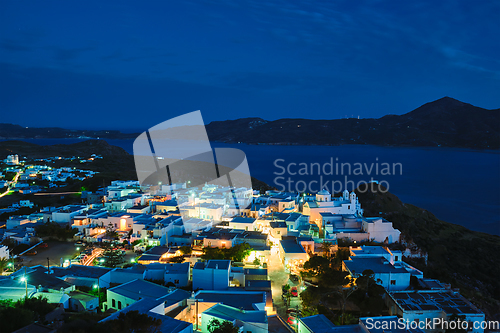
(343, 293)
(136, 242)
(240, 252)
(316, 265)
(134, 322)
(235, 253)
(111, 233)
(186, 250)
(224, 326)
(113, 258)
(177, 259)
(326, 248)
(4, 262)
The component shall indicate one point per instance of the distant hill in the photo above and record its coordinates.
(446, 122)
(84, 149)
(11, 131)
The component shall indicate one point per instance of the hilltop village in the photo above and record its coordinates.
(192, 258)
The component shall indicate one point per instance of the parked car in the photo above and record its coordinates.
(294, 292)
(294, 278)
(79, 243)
(43, 245)
(292, 311)
(284, 288)
(31, 253)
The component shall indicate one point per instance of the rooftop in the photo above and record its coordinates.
(290, 245)
(137, 289)
(231, 313)
(237, 299)
(320, 324)
(240, 219)
(376, 264)
(79, 270)
(450, 302)
(219, 264)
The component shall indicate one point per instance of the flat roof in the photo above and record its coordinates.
(377, 250)
(231, 313)
(80, 271)
(218, 264)
(376, 264)
(168, 324)
(291, 246)
(448, 301)
(238, 299)
(320, 324)
(280, 224)
(240, 219)
(137, 289)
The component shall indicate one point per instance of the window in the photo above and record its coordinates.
(176, 281)
(396, 258)
(113, 303)
(119, 305)
(278, 232)
(393, 282)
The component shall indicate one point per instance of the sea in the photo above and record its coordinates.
(459, 186)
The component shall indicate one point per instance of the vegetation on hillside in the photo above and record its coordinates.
(464, 258)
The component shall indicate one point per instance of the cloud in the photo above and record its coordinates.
(64, 54)
(14, 45)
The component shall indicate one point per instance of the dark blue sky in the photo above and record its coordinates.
(105, 64)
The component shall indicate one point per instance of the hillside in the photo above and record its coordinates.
(446, 122)
(85, 148)
(466, 259)
(12, 131)
(116, 163)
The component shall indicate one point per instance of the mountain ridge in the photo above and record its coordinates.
(446, 122)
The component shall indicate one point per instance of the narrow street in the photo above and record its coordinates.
(279, 277)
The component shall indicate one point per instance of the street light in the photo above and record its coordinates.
(25, 280)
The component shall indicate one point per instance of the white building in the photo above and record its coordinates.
(428, 305)
(4, 252)
(12, 160)
(357, 228)
(213, 275)
(391, 277)
(347, 204)
(243, 223)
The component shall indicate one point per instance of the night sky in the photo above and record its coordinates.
(130, 65)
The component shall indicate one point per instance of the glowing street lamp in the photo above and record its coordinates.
(25, 280)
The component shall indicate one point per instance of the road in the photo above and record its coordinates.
(55, 251)
(12, 183)
(279, 277)
(90, 259)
